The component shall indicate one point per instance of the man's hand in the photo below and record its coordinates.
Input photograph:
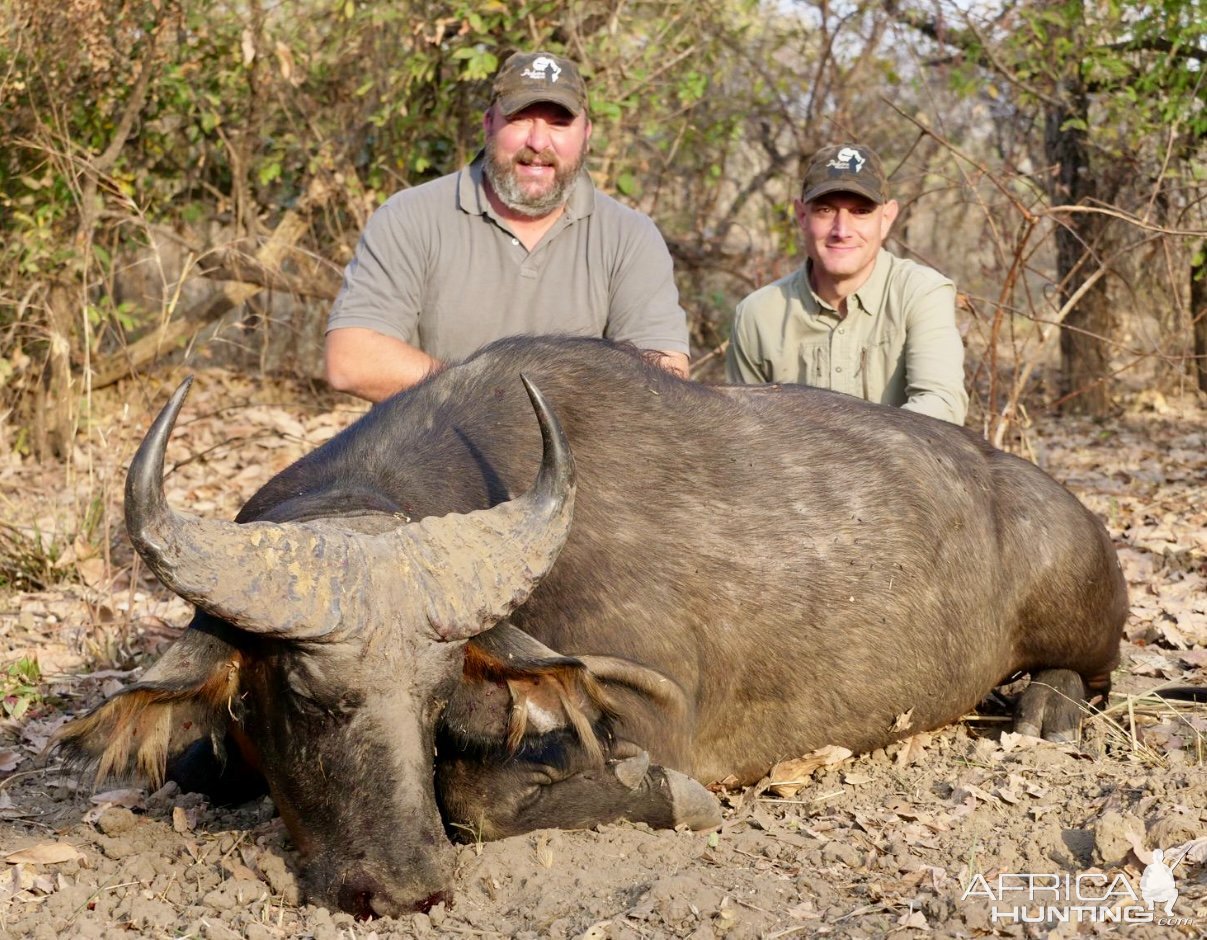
(676, 363)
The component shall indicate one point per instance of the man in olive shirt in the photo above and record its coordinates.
(517, 242)
(854, 318)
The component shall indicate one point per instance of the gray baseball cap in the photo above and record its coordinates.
(529, 77)
(845, 168)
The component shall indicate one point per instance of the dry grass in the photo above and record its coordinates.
(28, 559)
(1123, 722)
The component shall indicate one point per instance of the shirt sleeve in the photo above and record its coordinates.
(934, 356)
(741, 362)
(643, 301)
(383, 283)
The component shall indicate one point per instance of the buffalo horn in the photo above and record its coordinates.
(459, 574)
(478, 567)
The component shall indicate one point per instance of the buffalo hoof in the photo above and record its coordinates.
(691, 803)
(632, 770)
(223, 777)
(1051, 707)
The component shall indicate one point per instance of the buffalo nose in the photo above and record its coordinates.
(363, 896)
(440, 897)
(356, 895)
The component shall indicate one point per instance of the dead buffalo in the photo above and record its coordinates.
(405, 639)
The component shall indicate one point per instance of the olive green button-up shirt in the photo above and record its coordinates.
(897, 345)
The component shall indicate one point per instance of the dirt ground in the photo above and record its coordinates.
(934, 836)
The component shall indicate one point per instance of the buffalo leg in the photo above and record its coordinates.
(491, 802)
(1051, 706)
(217, 770)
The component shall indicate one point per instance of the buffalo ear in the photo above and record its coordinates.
(131, 735)
(560, 689)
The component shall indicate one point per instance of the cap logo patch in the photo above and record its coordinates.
(542, 68)
(848, 160)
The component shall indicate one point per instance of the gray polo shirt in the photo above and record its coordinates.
(897, 345)
(437, 268)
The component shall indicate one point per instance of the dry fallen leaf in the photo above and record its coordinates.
(15, 880)
(912, 748)
(805, 910)
(935, 876)
(597, 931)
(1011, 741)
(912, 918)
(1195, 851)
(239, 871)
(1149, 662)
(904, 722)
(903, 808)
(1007, 794)
(128, 798)
(125, 798)
(787, 777)
(184, 820)
(93, 571)
(47, 853)
(36, 732)
(44, 884)
(965, 790)
(544, 854)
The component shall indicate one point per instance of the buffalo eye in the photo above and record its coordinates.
(314, 698)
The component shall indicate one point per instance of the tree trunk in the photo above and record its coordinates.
(1198, 313)
(1086, 329)
(1085, 332)
(56, 406)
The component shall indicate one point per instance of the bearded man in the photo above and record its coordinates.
(518, 242)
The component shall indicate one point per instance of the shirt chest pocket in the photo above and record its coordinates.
(877, 368)
(813, 364)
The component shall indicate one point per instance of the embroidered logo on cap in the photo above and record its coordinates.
(849, 159)
(543, 67)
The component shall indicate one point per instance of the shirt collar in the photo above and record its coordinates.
(867, 299)
(471, 192)
(871, 294)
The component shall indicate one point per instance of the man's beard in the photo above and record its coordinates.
(506, 184)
